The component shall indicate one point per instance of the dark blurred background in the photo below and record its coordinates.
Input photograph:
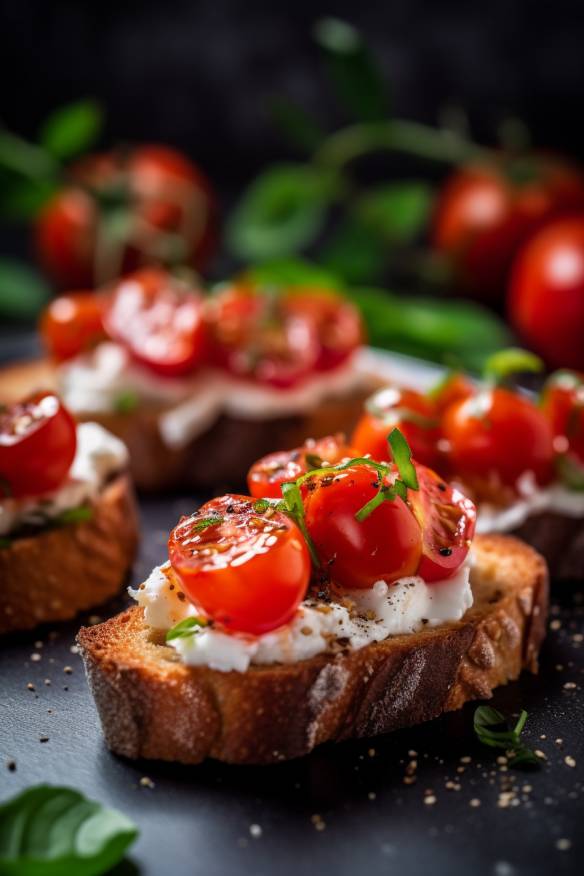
(199, 74)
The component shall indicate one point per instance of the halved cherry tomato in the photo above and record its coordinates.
(248, 571)
(455, 387)
(497, 436)
(409, 411)
(72, 324)
(338, 324)
(448, 522)
(386, 545)
(256, 336)
(563, 404)
(38, 439)
(159, 319)
(267, 475)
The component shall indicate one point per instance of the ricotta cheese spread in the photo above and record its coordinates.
(532, 499)
(362, 617)
(98, 455)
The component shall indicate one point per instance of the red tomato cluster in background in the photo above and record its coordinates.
(516, 228)
(169, 327)
(486, 437)
(123, 209)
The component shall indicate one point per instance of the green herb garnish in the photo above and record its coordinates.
(401, 454)
(295, 508)
(513, 360)
(50, 830)
(206, 522)
(186, 628)
(73, 515)
(570, 471)
(126, 402)
(492, 729)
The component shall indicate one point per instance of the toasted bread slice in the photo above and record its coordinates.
(218, 457)
(153, 706)
(55, 573)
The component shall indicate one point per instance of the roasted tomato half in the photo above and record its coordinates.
(38, 439)
(409, 411)
(495, 437)
(267, 475)
(448, 522)
(387, 545)
(247, 570)
(73, 324)
(338, 324)
(563, 405)
(159, 319)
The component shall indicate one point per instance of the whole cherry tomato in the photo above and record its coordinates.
(546, 295)
(245, 569)
(338, 324)
(485, 212)
(453, 388)
(412, 413)
(255, 336)
(267, 475)
(72, 324)
(496, 436)
(123, 209)
(563, 404)
(448, 522)
(160, 320)
(386, 545)
(38, 439)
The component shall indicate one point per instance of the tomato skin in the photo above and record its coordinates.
(483, 216)
(546, 294)
(386, 545)
(247, 573)
(388, 409)
(72, 324)
(38, 439)
(455, 388)
(338, 323)
(448, 521)
(160, 189)
(159, 320)
(563, 405)
(498, 435)
(266, 476)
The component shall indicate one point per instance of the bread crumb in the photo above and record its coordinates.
(475, 802)
(570, 761)
(255, 831)
(43, 738)
(67, 670)
(429, 799)
(563, 844)
(570, 685)
(30, 686)
(35, 658)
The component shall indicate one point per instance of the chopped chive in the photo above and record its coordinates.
(205, 522)
(186, 628)
(402, 456)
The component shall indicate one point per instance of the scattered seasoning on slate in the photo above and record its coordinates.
(147, 782)
(11, 766)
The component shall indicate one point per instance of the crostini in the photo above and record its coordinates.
(520, 459)
(68, 523)
(199, 386)
(350, 606)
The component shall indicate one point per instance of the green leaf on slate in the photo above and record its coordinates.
(23, 291)
(352, 69)
(281, 212)
(72, 129)
(54, 831)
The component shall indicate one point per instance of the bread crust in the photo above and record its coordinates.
(54, 574)
(219, 457)
(153, 706)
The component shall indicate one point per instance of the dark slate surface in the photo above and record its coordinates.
(343, 810)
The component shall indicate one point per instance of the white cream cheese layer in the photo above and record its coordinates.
(531, 500)
(97, 381)
(365, 616)
(99, 455)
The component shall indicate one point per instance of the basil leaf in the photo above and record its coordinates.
(292, 272)
(282, 211)
(397, 213)
(72, 129)
(185, 628)
(22, 197)
(491, 729)
(355, 253)
(513, 360)
(299, 128)
(126, 402)
(53, 831)
(23, 291)
(73, 515)
(381, 496)
(352, 69)
(402, 456)
(570, 471)
(295, 507)
(205, 522)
